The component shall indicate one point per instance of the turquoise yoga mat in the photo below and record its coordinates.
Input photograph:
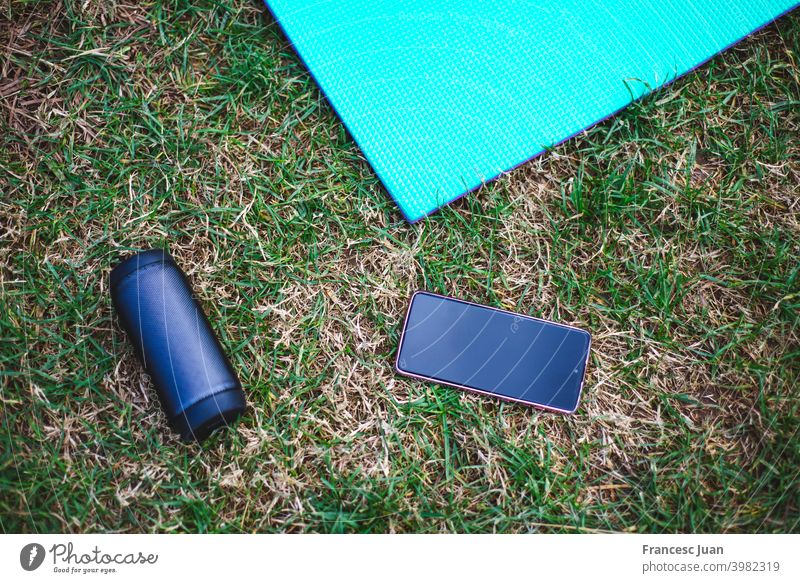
(444, 95)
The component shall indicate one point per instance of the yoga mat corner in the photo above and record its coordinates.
(442, 97)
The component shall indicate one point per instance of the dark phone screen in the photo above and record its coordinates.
(489, 350)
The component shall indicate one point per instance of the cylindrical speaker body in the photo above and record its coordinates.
(194, 380)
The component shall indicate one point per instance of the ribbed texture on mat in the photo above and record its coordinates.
(444, 95)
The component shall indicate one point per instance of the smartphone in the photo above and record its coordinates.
(493, 352)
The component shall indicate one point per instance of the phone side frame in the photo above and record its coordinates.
(506, 398)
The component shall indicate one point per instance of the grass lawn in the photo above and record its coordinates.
(671, 232)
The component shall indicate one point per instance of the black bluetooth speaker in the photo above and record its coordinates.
(194, 380)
